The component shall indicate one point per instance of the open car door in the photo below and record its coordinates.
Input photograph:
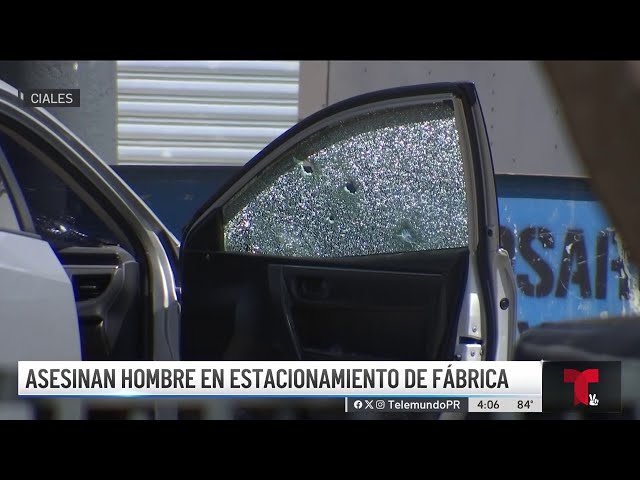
(368, 231)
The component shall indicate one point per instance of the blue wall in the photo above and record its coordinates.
(564, 250)
(175, 193)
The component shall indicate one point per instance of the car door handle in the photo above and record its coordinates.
(312, 288)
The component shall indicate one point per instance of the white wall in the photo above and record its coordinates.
(202, 112)
(527, 134)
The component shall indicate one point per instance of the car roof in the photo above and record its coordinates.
(8, 88)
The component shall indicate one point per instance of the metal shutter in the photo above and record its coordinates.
(203, 112)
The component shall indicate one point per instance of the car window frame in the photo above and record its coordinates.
(55, 161)
(17, 200)
(468, 118)
(465, 99)
(280, 155)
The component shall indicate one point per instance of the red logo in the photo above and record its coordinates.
(581, 381)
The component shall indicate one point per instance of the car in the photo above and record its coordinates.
(87, 271)
(369, 230)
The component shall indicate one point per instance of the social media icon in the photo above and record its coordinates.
(369, 404)
(357, 404)
(380, 404)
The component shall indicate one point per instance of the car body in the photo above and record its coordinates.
(368, 230)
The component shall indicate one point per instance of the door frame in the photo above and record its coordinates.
(483, 213)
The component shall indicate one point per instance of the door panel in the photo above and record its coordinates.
(38, 317)
(30, 270)
(395, 307)
(338, 313)
(350, 237)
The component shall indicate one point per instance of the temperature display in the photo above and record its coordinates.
(505, 404)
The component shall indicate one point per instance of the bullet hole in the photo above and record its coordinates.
(331, 219)
(307, 167)
(351, 187)
(406, 235)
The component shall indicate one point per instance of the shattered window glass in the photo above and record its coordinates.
(383, 182)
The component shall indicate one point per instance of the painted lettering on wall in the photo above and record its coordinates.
(566, 260)
(573, 268)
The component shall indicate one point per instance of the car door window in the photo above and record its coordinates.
(59, 215)
(386, 181)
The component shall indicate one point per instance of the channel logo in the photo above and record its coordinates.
(581, 381)
(582, 386)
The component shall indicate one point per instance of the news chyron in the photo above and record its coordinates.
(432, 387)
(51, 97)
